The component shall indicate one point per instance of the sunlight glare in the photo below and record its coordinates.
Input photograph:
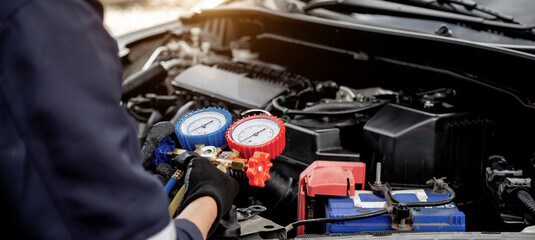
(206, 4)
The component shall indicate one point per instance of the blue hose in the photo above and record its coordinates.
(169, 185)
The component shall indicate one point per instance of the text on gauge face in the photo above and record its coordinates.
(203, 123)
(255, 131)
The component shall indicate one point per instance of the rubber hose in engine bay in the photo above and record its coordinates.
(527, 201)
(322, 110)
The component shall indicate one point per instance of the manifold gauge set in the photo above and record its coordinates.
(247, 145)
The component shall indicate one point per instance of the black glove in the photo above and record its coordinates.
(204, 179)
(155, 134)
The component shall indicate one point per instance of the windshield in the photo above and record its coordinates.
(521, 9)
(498, 22)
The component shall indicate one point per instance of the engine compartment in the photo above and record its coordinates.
(414, 125)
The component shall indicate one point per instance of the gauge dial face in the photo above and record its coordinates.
(256, 131)
(203, 123)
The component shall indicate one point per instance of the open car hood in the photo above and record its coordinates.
(398, 107)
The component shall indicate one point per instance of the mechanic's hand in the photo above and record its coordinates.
(155, 134)
(204, 179)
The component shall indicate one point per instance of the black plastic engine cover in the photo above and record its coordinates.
(228, 86)
(307, 145)
(415, 146)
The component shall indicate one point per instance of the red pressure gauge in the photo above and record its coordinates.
(262, 133)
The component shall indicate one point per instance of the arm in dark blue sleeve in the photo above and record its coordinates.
(187, 230)
(70, 156)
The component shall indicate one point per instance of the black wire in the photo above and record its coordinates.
(339, 219)
(381, 233)
(428, 204)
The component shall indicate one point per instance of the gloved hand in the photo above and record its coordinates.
(155, 134)
(202, 178)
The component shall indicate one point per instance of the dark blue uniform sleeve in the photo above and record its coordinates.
(70, 165)
(187, 230)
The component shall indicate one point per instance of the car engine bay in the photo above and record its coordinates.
(410, 141)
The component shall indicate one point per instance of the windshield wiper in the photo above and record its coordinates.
(403, 10)
(470, 8)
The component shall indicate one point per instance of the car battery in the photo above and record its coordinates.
(443, 218)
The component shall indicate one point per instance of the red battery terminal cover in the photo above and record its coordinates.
(328, 178)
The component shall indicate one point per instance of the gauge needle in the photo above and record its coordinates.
(254, 134)
(203, 126)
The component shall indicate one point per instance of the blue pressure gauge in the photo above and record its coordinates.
(205, 126)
